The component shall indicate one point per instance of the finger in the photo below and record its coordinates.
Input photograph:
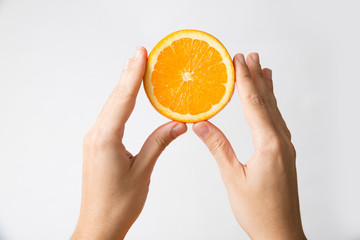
(253, 62)
(265, 88)
(267, 73)
(121, 102)
(220, 148)
(155, 144)
(268, 79)
(253, 103)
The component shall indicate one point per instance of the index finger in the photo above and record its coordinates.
(121, 101)
(252, 102)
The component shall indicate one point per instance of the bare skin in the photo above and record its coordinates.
(116, 183)
(263, 193)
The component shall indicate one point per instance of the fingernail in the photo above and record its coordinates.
(179, 129)
(138, 52)
(241, 58)
(255, 57)
(268, 73)
(126, 64)
(201, 130)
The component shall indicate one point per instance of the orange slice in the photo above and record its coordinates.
(189, 76)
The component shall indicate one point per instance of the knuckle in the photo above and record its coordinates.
(273, 100)
(292, 151)
(271, 143)
(243, 75)
(104, 141)
(255, 99)
(217, 145)
(123, 92)
(259, 100)
(259, 71)
(161, 142)
(87, 139)
(270, 101)
(288, 133)
(276, 145)
(99, 138)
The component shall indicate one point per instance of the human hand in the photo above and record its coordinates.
(263, 192)
(115, 183)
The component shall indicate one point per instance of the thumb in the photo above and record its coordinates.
(220, 148)
(155, 145)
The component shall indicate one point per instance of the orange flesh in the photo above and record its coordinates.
(189, 77)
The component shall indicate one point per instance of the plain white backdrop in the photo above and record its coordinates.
(59, 60)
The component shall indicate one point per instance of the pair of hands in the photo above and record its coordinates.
(263, 192)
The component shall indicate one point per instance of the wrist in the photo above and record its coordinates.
(292, 236)
(98, 230)
(282, 234)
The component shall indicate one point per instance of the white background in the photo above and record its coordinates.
(59, 60)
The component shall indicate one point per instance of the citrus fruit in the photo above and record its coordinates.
(189, 76)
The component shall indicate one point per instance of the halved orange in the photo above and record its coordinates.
(189, 76)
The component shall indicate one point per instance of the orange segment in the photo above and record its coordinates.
(189, 76)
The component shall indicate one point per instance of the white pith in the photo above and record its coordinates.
(187, 75)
